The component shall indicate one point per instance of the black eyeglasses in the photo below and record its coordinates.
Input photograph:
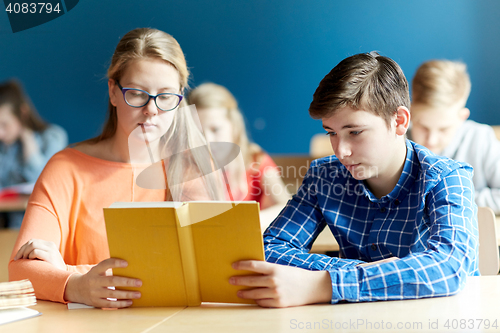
(137, 98)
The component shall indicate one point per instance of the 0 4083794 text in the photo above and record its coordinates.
(32, 8)
(470, 324)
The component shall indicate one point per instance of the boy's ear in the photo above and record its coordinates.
(402, 120)
(464, 114)
(112, 91)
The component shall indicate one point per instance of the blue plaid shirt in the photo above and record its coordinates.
(428, 221)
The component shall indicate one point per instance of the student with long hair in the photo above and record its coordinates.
(222, 121)
(64, 226)
(26, 141)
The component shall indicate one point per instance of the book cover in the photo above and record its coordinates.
(183, 251)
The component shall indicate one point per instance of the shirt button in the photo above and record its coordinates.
(396, 202)
(382, 209)
(374, 247)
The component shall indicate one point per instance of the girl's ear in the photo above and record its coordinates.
(112, 92)
(402, 120)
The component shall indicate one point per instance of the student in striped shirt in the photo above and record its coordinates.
(404, 218)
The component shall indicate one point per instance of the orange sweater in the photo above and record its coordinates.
(66, 207)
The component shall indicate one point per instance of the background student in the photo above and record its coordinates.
(26, 141)
(222, 121)
(404, 218)
(440, 90)
(62, 246)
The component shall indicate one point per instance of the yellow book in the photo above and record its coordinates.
(183, 252)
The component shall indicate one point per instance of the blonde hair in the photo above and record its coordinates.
(441, 83)
(211, 95)
(183, 134)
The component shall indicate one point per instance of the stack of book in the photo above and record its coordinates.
(14, 297)
(16, 293)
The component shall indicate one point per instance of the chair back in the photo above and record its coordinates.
(320, 146)
(489, 263)
(497, 131)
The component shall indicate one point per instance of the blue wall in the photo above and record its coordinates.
(270, 54)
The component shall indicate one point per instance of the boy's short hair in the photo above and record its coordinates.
(441, 83)
(365, 81)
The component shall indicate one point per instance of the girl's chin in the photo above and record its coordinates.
(149, 134)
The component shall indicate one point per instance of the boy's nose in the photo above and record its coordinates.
(432, 139)
(342, 150)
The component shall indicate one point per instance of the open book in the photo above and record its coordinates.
(183, 252)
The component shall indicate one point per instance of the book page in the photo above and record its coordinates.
(147, 238)
(15, 314)
(221, 240)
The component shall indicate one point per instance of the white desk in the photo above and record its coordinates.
(479, 300)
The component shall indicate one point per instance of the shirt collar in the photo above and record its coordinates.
(405, 182)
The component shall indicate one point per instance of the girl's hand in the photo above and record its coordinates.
(30, 146)
(43, 250)
(282, 286)
(93, 288)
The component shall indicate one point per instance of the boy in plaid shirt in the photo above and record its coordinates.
(404, 218)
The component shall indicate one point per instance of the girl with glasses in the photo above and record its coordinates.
(64, 225)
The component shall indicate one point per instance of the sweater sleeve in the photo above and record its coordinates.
(48, 281)
(46, 218)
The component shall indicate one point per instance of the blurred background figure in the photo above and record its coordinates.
(222, 121)
(440, 90)
(26, 143)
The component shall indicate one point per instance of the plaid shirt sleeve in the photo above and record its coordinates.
(288, 240)
(449, 247)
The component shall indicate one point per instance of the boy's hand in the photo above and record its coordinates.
(282, 286)
(92, 288)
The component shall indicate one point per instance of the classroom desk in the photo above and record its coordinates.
(326, 242)
(8, 238)
(14, 204)
(479, 300)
